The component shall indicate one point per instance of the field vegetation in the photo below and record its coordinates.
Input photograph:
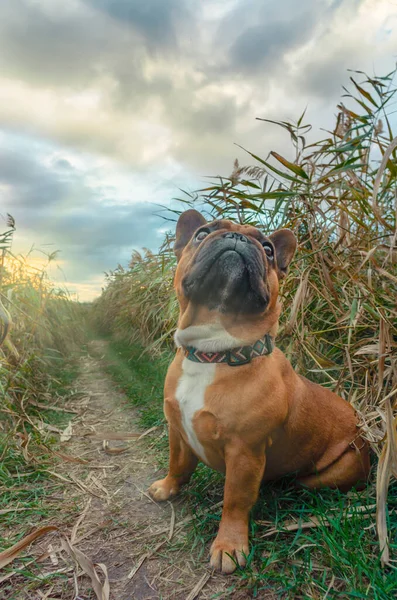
(338, 192)
(41, 329)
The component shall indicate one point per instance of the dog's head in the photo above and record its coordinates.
(230, 269)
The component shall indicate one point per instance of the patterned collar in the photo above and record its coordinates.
(233, 357)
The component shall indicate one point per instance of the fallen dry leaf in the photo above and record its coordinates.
(10, 554)
(198, 587)
(311, 522)
(102, 590)
(79, 521)
(68, 458)
(113, 435)
(4, 511)
(145, 433)
(110, 450)
(172, 522)
(52, 555)
(67, 433)
(143, 558)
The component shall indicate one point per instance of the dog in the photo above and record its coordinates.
(231, 398)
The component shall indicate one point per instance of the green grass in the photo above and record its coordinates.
(63, 376)
(28, 487)
(140, 377)
(301, 564)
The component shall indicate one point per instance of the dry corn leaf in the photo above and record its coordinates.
(52, 407)
(74, 481)
(172, 522)
(145, 433)
(327, 277)
(73, 535)
(43, 427)
(386, 273)
(23, 440)
(312, 522)
(378, 178)
(382, 351)
(98, 484)
(4, 511)
(52, 555)
(113, 435)
(12, 573)
(80, 538)
(68, 458)
(45, 596)
(84, 487)
(102, 590)
(297, 302)
(382, 486)
(143, 558)
(67, 433)
(368, 349)
(391, 427)
(109, 450)
(10, 554)
(198, 587)
(137, 566)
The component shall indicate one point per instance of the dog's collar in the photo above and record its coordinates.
(233, 357)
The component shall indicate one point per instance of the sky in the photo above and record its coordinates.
(109, 107)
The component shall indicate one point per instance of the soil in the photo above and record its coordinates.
(121, 526)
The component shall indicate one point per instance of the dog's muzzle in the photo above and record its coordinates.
(228, 275)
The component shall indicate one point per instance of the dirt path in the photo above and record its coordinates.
(121, 526)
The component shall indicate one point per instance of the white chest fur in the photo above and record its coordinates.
(190, 392)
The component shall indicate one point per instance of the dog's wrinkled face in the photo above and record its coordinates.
(229, 268)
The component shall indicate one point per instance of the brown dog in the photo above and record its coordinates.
(232, 400)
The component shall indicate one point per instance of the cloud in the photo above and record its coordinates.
(158, 21)
(148, 82)
(28, 185)
(262, 45)
(41, 43)
(57, 205)
(357, 37)
(107, 105)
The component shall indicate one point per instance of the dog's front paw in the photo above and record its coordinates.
(163, 489)
(227, 554)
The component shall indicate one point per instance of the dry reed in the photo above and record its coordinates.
(339, 324)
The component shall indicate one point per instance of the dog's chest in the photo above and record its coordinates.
(190, 394)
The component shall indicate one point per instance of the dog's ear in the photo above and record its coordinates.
(285, 244)
(188, 222)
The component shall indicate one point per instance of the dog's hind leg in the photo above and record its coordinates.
(182, 464)
(349, 470)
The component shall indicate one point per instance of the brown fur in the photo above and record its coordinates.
(260, 421)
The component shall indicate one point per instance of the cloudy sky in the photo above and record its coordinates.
(109, 106)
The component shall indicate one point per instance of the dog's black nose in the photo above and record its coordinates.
(234, 235)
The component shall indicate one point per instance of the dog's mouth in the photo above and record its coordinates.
(228, 277)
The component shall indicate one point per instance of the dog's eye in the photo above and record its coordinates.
(202, 234)
(268, 248)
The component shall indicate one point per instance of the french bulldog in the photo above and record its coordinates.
(231, 398)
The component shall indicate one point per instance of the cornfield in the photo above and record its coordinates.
(339, 323)
(40, 326)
